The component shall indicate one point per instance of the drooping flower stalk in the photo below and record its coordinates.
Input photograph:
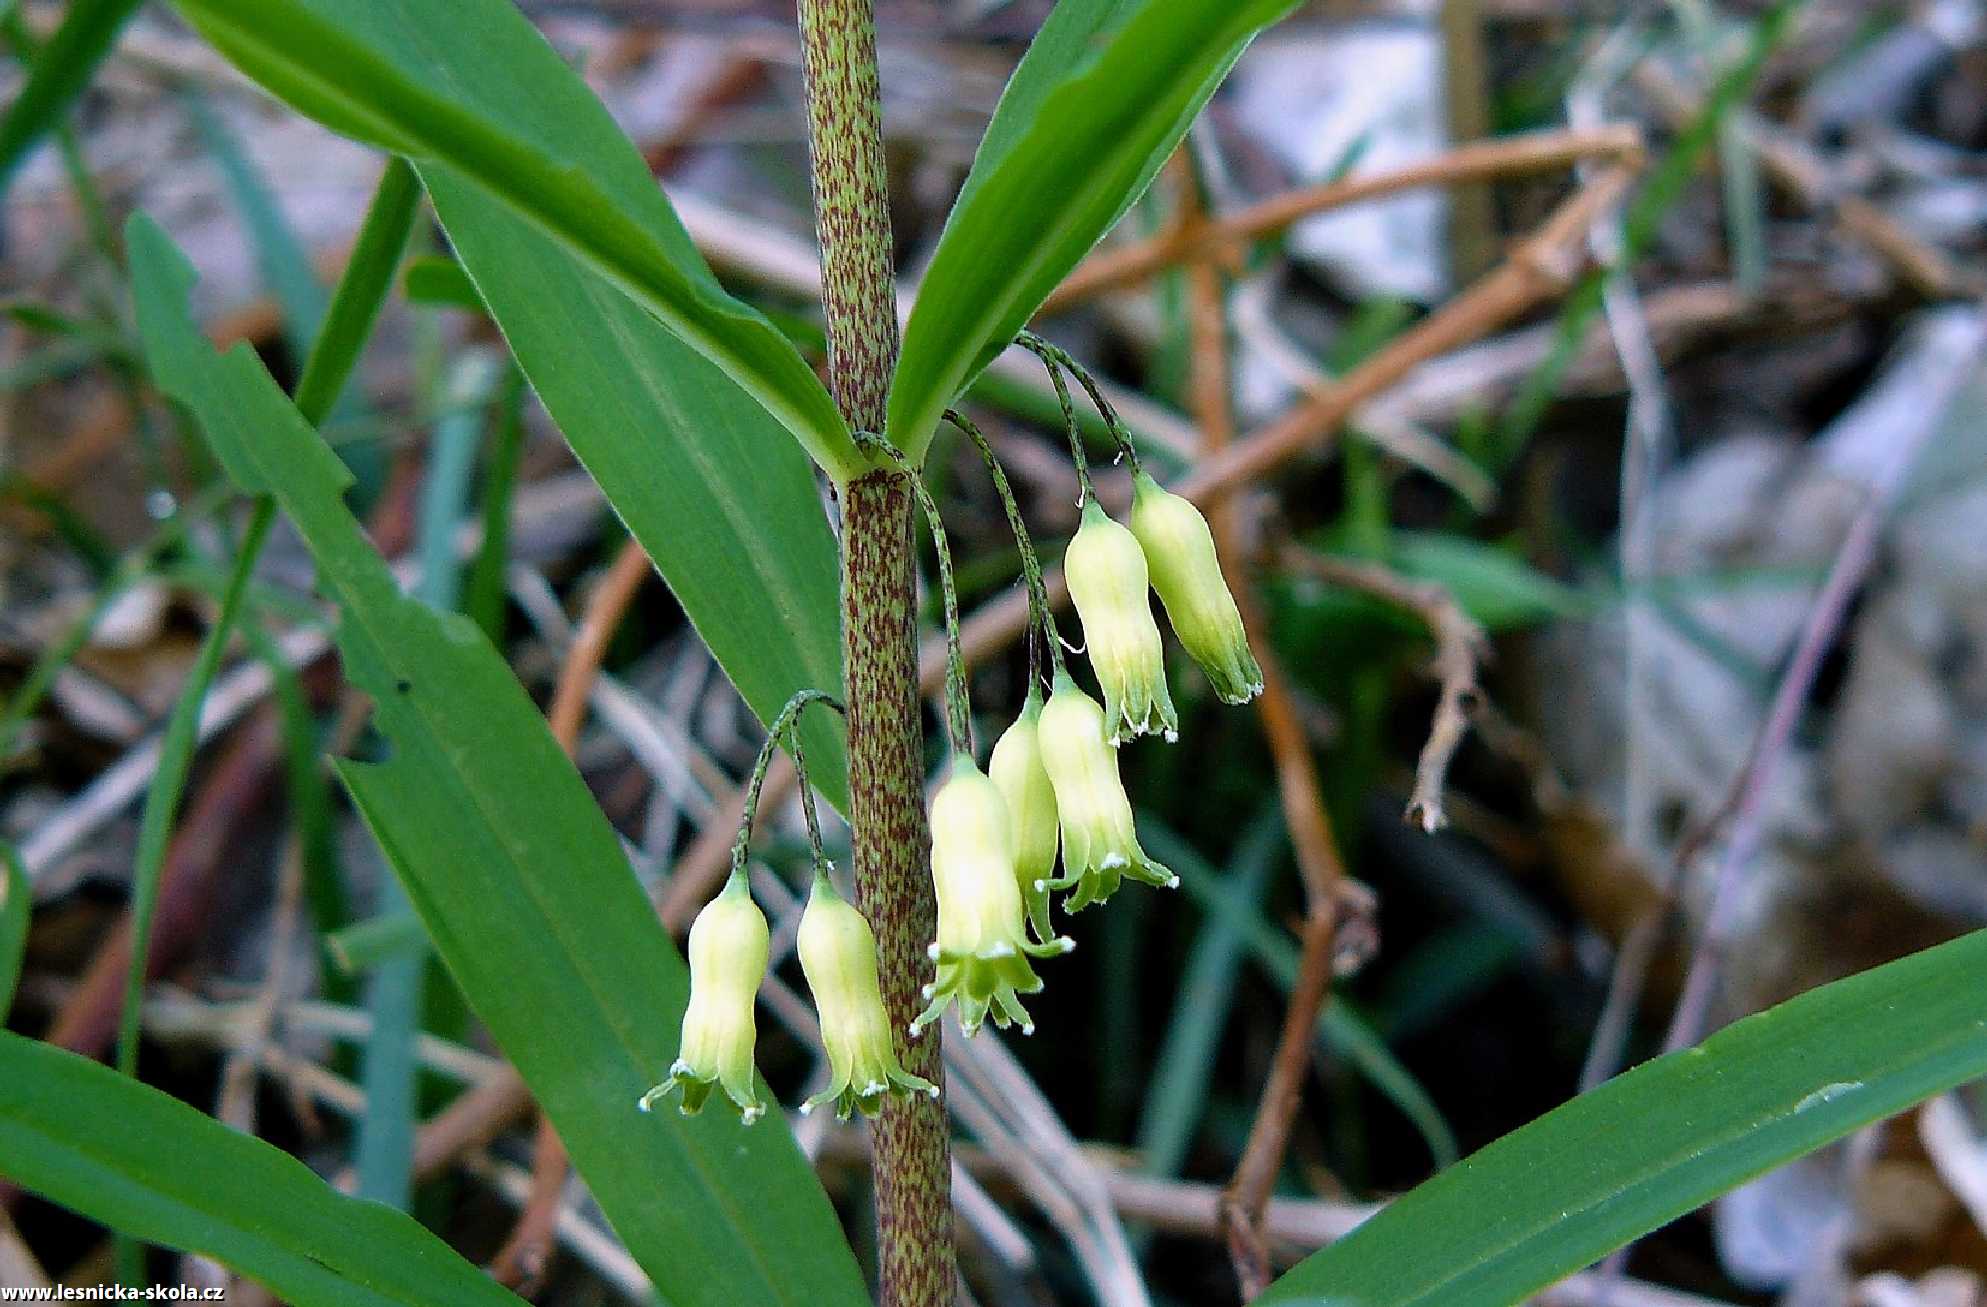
(1040, 613)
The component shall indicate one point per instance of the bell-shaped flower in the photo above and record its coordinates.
(982, 949)
(727, 962)
(1016, 770)
(1108, 582)
(838, 956)
(1099, 844)
(1179, 551)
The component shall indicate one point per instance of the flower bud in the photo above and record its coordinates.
(1179, 550)
(1107, 581)
(727, 962)
(982, 948)
(838, 956)
(1099, 845)
(1016, 770)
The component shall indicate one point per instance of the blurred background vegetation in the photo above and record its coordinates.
(1616, 498)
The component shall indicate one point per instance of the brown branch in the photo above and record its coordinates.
(1214, 239)
(1326, 886)
(1245, 1199)
(520, 1263)
(1459, 647)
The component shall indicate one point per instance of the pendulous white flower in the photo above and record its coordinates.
(1107, 579)
(1016, 770)
(1099, 843)
(838, 957)
(982, 949)
(1179, 552)
(727, 961)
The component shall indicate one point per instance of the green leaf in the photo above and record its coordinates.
(520, 880)
(347, 322)
(1665, 1138)
(16, 904)
(1496, 590)
(473, 86)
(140, 1162)
(1340, 1029)
(728, 510)
(1097, 104)
(436, 279)
(62, 68)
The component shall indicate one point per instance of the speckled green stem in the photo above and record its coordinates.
(879, 634)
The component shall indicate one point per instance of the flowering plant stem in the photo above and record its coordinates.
(1041, 614)
(879, 634)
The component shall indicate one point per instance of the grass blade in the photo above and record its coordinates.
(348, 322)
(1178, 1094)
(16, 904)
(62, 68)
(1339, 1028)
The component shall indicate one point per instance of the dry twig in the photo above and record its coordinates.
(1459, 648)
(1213, 240)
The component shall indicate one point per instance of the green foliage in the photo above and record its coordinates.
(519, 879)
(725, 507)
(1103, 95)
(471, 90)
(16, 902)
(61, 70)
(1665, 1138)
(142, 1162)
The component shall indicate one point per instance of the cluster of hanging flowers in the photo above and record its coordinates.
(1051, 792)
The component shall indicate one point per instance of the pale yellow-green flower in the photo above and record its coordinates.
(982, 949)
(1099, 843)
(838, 957)
(727, 961)
(1016, 770)
(1179, 552)
(1107, 579)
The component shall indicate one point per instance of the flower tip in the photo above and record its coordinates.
(931, 951)
(1028, 1029)
(747, 1115)
(1172, 737)
(1173, 881)
(926, 992)
(807, 1108)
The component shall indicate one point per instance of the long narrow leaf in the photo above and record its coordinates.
(16, 904)
(471, 85)
(521, 882)
(61, 70)
(149, 1165)
(1665, 1138)
(726, 509)
(1101, 98)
